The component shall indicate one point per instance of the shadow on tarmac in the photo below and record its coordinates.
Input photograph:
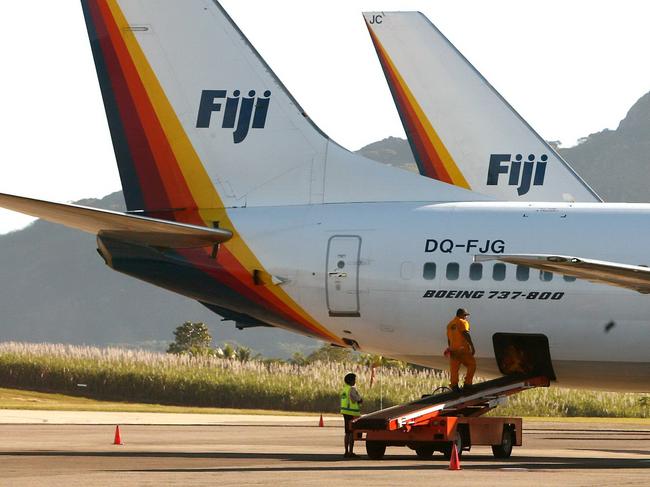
(633, 452)
(517, 462)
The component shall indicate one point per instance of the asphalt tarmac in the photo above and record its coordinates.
(45, 448)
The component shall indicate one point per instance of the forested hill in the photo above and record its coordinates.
(616, 163)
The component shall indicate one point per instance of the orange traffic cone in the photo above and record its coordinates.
(118, 438)
(320, 422)
(454, 464)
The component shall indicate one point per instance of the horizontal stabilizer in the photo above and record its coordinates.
(634, 277)
(131, 228)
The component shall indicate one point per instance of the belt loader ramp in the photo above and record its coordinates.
(434, 423)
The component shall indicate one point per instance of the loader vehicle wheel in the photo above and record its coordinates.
(375, 449)
(504, 449)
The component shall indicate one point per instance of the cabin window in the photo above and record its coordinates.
(569, 278)
(499, 272)
(452, 271)
(523, 272)
(476, 272)
(545, 276)
(429, 271)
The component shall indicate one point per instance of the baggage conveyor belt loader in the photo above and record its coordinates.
(435, 422)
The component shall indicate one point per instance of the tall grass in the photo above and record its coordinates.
(141, 376)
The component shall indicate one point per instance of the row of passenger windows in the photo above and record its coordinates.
(452, 272)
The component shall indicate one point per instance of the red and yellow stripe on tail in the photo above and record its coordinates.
(431, 155)
(160, 170)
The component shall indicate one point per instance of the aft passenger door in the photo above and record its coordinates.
(342, 274)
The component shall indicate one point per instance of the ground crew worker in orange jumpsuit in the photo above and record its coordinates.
(461, 349)
(350, 408)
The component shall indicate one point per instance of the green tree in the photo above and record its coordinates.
(243, 354)
(227, 351)
(330, 353)
(298, 359)
(191, 338)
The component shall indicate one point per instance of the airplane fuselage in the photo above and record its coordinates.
(390, 276)
(387, 277)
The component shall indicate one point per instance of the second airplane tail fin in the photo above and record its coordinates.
(461, 130)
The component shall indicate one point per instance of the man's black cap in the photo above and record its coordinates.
(350, 379)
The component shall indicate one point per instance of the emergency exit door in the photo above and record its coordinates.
(342, 287)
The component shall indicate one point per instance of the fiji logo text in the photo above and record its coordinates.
(240, 113)
(532, 171)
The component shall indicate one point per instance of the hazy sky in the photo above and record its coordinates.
(569, 67)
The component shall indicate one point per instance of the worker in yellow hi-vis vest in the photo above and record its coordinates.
(350, 408)
(461, 349)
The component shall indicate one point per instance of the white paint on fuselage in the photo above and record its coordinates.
(396, 320)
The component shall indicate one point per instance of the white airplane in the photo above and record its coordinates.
(237, 200)
(461, 130)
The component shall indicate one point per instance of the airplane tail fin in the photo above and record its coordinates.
(199, 120)
(461, 130)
